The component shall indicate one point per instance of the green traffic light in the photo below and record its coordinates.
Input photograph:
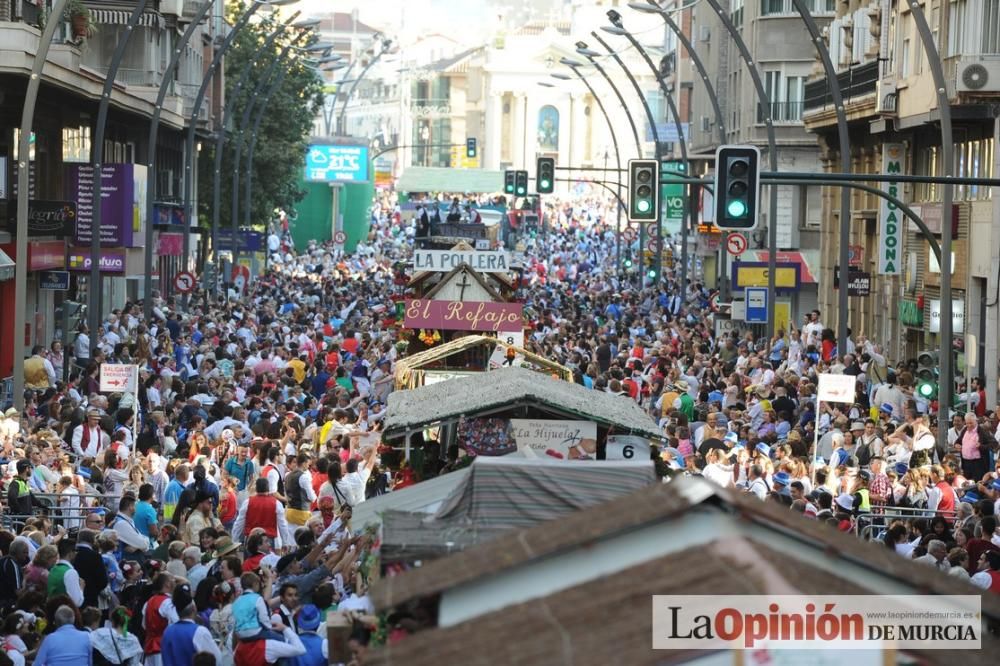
(643, 205)
(544, 184)
(736, 208)
(652, 272)
(628, 263)
(926, 390)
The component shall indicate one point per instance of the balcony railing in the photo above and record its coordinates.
(135, 77)
(782, 112)
(856, 81)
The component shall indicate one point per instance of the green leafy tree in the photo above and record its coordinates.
(281, 141)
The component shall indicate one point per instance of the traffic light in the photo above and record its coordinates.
(643, 190)
(470, 147)
(545, 175)
(737, 187)
(928, 374)
(651, 273)
(509, 178)
(521, 183)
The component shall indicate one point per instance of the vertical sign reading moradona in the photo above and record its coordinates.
(890, 233)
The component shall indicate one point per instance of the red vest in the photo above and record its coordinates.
(947, 503)
(995, 585)
(262, 512)
(156, 624)
(251, 653)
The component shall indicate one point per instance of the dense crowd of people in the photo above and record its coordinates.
(206, 516)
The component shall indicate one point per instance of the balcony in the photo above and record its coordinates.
(855, 82)
(135, 77)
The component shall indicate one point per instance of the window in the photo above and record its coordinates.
(786, 94)
(768, 7)
(794, 97)
(76, 144)
(736, 12)
(904, 59)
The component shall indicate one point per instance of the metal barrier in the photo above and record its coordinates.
(879, 517)
(49, 506)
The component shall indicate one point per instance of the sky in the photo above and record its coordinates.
(463, 20)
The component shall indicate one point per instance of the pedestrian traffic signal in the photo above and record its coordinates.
(470, 148)
(521, 183)
(928, 374)
(643, 190)
(545, 175)
(509, 178)
(737, 187)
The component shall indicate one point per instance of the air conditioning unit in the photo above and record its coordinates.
(885, 98)
(978, 76)
(705, 33)
(174, 7)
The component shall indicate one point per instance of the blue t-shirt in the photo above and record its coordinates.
(145, 519)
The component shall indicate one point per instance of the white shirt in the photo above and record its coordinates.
(203, 641)
(306, 484)
(290, 647)
(353, 485)
(284, 534)
(99, 441)
(129, 535)
(71, 581)
(718, 474)
(81, 346)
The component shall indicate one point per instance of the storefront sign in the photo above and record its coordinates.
(55, 280)
(45, 218)
(531, 438)
(170, 245)
(561, 440)
(123, 203)
(859, 282)
(44, 255)
(442, 261)
(463, 316)
(787, 277)
(957, 316)
(248, 241)
(112, 259)
(910, 314)
(890, 234)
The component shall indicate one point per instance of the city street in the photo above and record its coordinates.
(523, 332)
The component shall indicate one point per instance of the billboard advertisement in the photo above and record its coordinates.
(123, 203)
(336, 164)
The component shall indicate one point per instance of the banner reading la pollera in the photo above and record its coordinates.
(830, 623)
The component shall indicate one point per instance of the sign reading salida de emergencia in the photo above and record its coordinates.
(481, 316)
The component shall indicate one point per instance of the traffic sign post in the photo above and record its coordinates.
(184, 282)
(736, 244)
(340, 238)
(756, 305)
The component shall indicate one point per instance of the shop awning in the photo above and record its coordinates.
(149, 19)
(6, 267)
(806, 259)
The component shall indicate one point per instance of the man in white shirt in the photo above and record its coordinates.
(127, 533)
(937, 556)
(71, 578)
(758, 485)
(352, 485)
(813, 331)
(89, 441)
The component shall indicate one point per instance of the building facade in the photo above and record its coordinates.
(894, 118)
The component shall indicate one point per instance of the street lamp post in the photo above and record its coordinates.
(154, 129)
(248, 173)
(618, 156)
(23, 176)
(386, 45)
(240, 130)
(196, 111)
(94, 295)
(224, 120)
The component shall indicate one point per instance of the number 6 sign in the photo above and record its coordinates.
(626, 447)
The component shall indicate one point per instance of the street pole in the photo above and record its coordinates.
(196, 111)
(341, 121)
(765, 101)
(845, 167)
(619, 29)
(154, 128)
(94, 295)
(947, 148)
(23, 179)
(575, 66)
(618, 160)
(720, 121)
(244, 122)
(224, 120)
(657, 146)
